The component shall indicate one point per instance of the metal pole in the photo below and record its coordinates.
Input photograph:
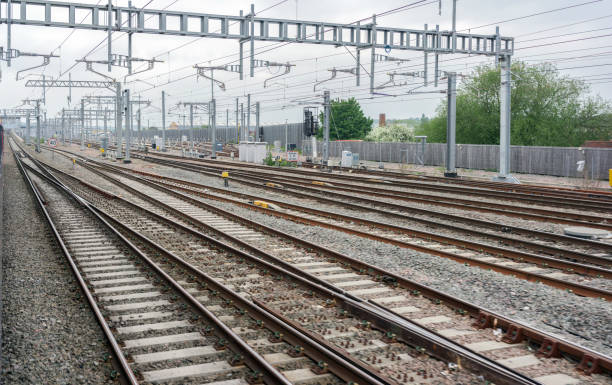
(64, 126)
(505, 121)
(249, 116)
(9, 16)
(237, 122)
(109, 33)
(252, 40)
(128, 125)
(256, 121)
(425, 56)
(213, 123)
(139, 126)
(37, 126)
(327, 109)
(27, 138)
(82, 124)
(129, 63)
(373, 55)
(244, 132)
(454, 25)
(191, 127)
(163, 147)
(286, 136)
(106, 124)
(118, 109)
(358, 53)
(451, 120)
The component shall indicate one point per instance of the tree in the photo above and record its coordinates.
(548, 109)
(391, 133)
(347, 121)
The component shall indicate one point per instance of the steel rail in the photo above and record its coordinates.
(589, 360)
(235, 342)
(470, 245)
(512, 211)
(579, 289)
(406, 330)
(470, 221)
(119, 361)
(513, 195)
(531, 189)
(535, 189)
(573, 255)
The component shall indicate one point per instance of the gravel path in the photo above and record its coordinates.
(49, 334)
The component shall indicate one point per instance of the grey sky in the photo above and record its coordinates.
(589, 57)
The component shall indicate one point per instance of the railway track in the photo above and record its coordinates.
(176, 325)
(549, 196)
(571, 248)
(465, 251)
(351, 335)
(408, 296)
(318, 184)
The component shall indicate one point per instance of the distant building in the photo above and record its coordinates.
(173, 126)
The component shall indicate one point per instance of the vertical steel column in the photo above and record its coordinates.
(27, 136)
(9, 16)
(128, 125)
(106, 126)
(424, 43)
(358, 53)
(505, 121)
(454, 26)
(241, 46)
(326, 113)
(82, 124)
(64, 126)
(109, 33)
(118, 109)
(130, 33)
(373, 54)
(256, 121)
(451, 120)
(253, 40)
(248, 117)
(139, 126)
(238, 123)
(244, 132)
(191, 127)
(163, 147)
(37, 126)
(213, 124)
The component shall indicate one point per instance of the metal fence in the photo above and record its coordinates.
(556, 161)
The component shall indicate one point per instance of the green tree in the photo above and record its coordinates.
(347, 121)
(548, 109)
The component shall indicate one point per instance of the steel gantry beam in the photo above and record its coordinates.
(253, 28)
(71, 83)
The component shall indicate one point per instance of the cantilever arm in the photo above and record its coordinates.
(333, 76)
(46, 61)
(287, 70)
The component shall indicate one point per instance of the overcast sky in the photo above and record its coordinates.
(577, 40)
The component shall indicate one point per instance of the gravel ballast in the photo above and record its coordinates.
(49, 334)
(585, 321)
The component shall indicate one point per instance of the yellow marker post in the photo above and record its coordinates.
(610, 179)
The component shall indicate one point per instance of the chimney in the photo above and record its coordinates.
(382, 120)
